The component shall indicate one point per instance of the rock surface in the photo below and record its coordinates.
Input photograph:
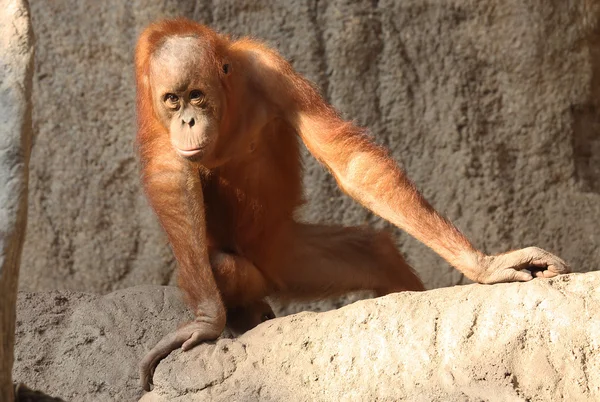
(535, 341)
(490, 106)
(84, 347)
(16, 72)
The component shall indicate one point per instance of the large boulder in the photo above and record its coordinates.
(535, 341)
(16, 72)
(490, 106)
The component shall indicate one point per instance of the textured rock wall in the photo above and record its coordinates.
(16, 71)
(490, 106)
(535, 341)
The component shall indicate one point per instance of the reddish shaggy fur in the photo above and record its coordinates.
(231, 222)
(247, 214)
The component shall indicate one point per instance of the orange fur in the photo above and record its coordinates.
(229, 213)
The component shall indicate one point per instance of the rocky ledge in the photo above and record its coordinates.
(507, 342)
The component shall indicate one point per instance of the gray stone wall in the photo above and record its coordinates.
(490, 106)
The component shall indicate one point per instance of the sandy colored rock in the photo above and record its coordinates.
(535, 341)
(16, 72)
(490, 106)
(515, 342)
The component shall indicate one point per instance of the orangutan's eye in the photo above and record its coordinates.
(197, 97)
(171, 100)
